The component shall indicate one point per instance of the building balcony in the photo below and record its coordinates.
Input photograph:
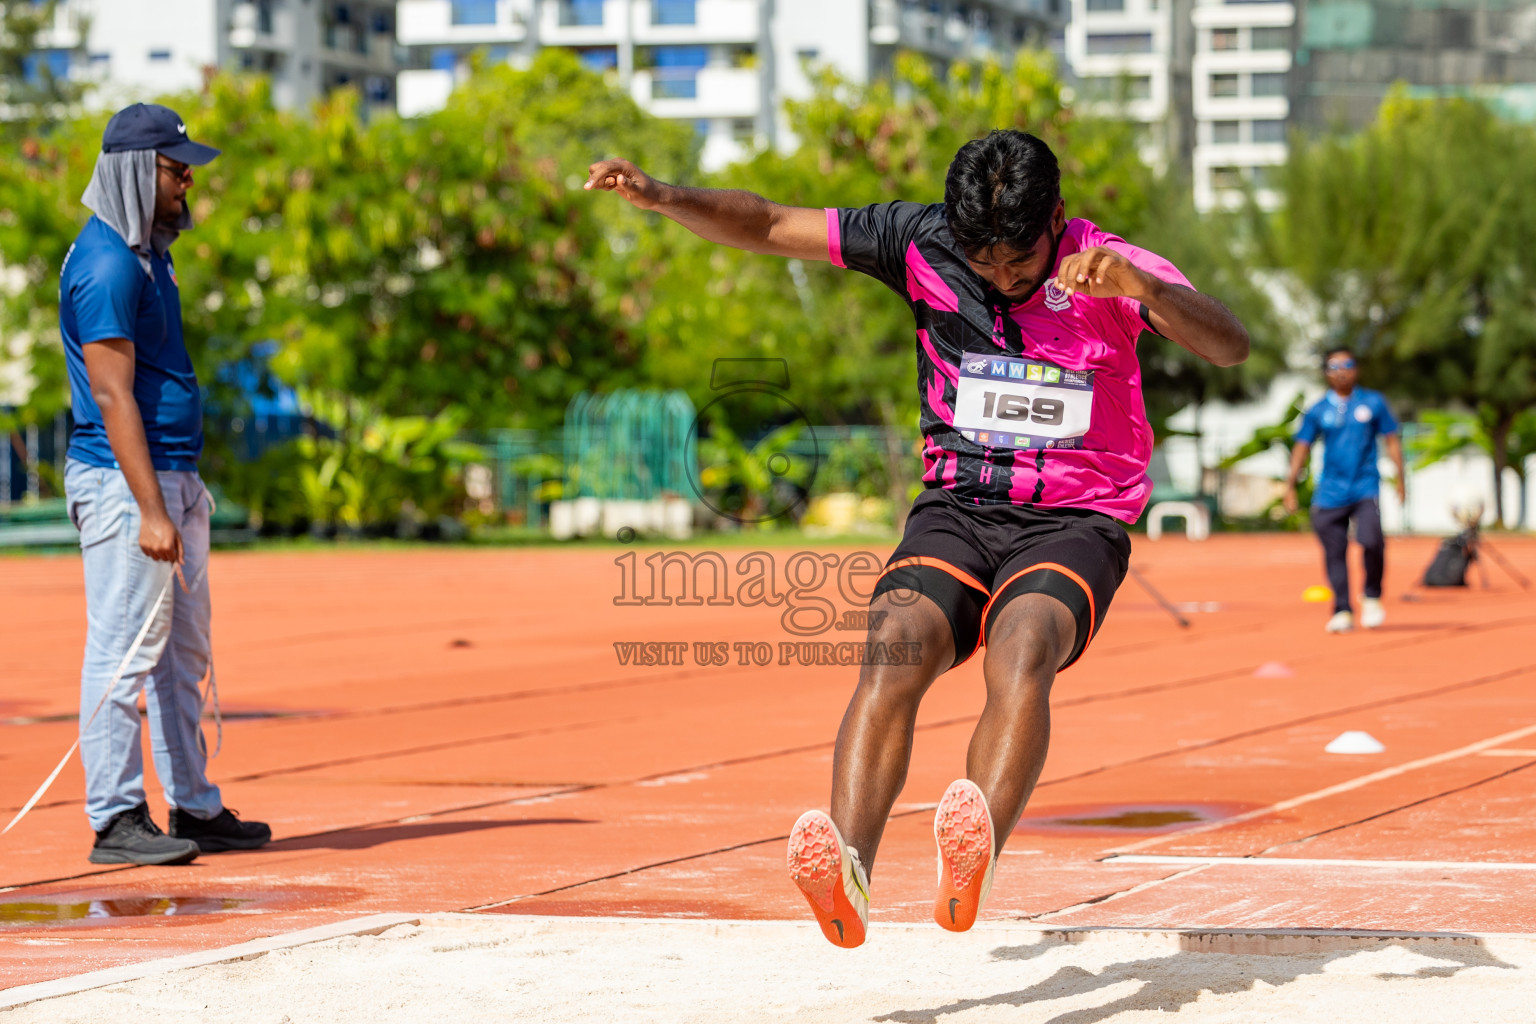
(943, 34)
(1241, 108)
(1242, 15)
(253, 27)
(652, 22)
(715, 21)
(688, 93)
(1223, 174)
(426, 22)
(1211, 62)
(422, 92)
(65, 31)
(583, 22)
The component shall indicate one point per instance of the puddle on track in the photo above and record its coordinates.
(51, 912)
(1122, 818)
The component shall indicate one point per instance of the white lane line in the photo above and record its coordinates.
(1509, 753)
(1315, 862)
(1342, 787)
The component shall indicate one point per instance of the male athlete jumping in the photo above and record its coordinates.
(1035, 442)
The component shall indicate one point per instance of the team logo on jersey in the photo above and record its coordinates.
(1056, 297)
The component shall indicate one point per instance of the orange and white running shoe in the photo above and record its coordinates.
(963, 828)
(828, 871)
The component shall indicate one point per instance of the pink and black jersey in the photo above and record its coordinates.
(1036, 404)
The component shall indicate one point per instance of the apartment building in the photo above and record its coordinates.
(1120, 54)
(1240, 84)
(134, 49)
(726, 66)
(1350, 54)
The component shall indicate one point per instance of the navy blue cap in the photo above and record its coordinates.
(151, 126)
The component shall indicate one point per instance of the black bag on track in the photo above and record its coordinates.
(1456, 554)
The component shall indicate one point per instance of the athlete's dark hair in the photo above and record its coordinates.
(1001, 190)
(1339, 350)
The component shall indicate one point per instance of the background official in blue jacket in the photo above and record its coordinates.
(1348, 419)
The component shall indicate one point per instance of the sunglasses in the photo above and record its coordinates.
(181, 172)
(1345, 364)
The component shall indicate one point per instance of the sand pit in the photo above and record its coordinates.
(468, 968)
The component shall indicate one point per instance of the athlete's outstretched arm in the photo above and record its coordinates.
(742, 220)
(1197, 322)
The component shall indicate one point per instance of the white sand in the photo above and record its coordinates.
(463, 968)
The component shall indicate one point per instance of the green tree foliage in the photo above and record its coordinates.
(412, 264)
(1447, 433)
(1402, 235)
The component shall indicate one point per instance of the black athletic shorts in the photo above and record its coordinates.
(971, 560)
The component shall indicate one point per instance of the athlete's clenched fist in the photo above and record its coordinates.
(627, 180)
(1102, 273)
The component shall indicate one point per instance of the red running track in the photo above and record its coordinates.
(454, 730)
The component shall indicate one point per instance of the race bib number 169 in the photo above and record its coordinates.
(1009, 402)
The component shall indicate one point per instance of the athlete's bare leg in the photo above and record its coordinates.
(874, 743)
(1032, 636)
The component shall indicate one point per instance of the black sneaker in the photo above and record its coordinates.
(225, 832)
(133, 838)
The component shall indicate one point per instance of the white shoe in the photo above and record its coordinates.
(1372, 614)
(1342, 622)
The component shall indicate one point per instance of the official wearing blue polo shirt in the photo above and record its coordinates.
(1349, 419)
(134, 493)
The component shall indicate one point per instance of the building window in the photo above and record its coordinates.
(159, 55)
(673, 12)
(1268, 83)
(1106, 5)
(444, 59)
(1226, 177)
(598, 58)
(1271, 37)
(1225, 132)
(1269, 131)
(1265, 176)
(1103, 88)
(1120, 42)
(53, 63)
(473, 12)
(1224, 39)
(264, 17)
(1223, 86)
(675, 71)
(588, 13)
(744, 131)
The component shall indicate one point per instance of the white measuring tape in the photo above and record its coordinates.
(138, 641)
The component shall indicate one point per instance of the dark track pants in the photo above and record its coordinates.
(1332, 527)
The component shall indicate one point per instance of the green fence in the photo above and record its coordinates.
(629, 445)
